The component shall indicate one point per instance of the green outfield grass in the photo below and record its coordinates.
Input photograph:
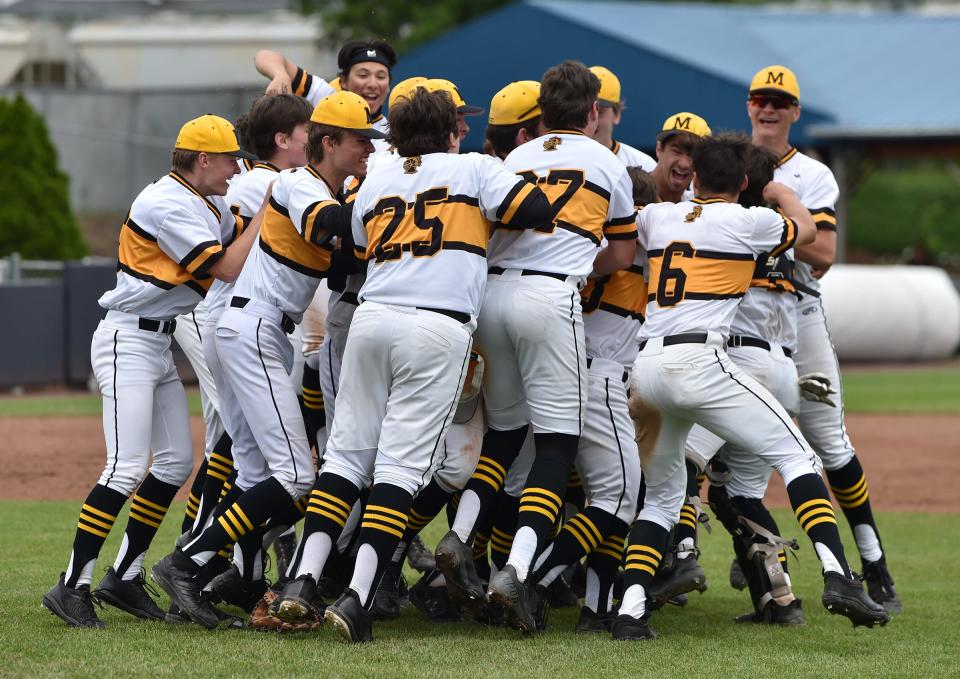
(698, 641)
(899, 390)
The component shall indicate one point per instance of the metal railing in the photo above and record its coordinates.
(14, 270)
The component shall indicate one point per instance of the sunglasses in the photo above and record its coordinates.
(760, 101)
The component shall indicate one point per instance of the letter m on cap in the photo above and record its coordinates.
(681, 123)
(373, 53)
(774, 78)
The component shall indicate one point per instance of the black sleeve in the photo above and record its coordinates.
(333, 220)
(534, 211)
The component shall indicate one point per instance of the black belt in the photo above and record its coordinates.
(458, 316)
(682, 338)
(745, 341)
(285, 321)
(623, 378)
(498, 270)
(166, 327)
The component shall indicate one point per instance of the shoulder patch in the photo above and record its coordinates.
(552, 143)
(411, 164)
(694, 214)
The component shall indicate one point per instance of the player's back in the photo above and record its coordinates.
(422, 225)
(590, 192)
(702, 255)
(768, 310)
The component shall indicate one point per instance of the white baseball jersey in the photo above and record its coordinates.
(702, 255)
(592, 199)
(768, 310)
(815, 186)
(632, 157)
(613, 309)
(169, 240)
(244, 196)
(422, 224)
(293, 252)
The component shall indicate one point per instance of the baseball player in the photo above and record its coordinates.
(674, 170)
(611, 108)
(178, 237)
(702, 255)
(531, 329)
(276, 285)
(514, 119)
(773, 106)
(421, 223)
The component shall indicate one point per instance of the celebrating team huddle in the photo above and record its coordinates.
(556, 342)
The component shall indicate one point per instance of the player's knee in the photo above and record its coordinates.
(401, 476)
(662, 516)
(174, 472)
(358, 477)
(831, 461)
(452, 477)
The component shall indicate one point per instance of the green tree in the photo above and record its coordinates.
(36, 219)
(402, 24)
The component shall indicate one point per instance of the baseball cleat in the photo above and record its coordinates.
(686, 576)
(231, 588)
(386, 600)
(420, 557)
(737, 579)
(174, 616)
(284, 548)
(72, 605)
(350, 618)
(296, 602)
(628, 628)
(455, 561)
(507, 592)
(561, 594)
(592, 623)
(880, 585)
(175, 574)
(790, 615)
(129, 595)
(433, 602)
(845, 596)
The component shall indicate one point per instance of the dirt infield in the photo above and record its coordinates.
(912, 462)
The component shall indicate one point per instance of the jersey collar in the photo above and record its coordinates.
(565, 132)
(333, 192)
(615, 147)
(786, 156)
(177, 177)
(708, 201)
(266, 166)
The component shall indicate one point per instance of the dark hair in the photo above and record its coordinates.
(315, 138)
(720, 162)
(353, 52)
(686, 141)
(423, 124)
(257, 128)
(567, 93)
(183, 161)
(761, 163)
(503, 138)
(644, 186)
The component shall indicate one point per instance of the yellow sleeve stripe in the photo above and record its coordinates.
(789, 238)
(521, 196)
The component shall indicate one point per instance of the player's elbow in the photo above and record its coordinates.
(806, 232)
(225, 270)
(622, 253)
(534, 211)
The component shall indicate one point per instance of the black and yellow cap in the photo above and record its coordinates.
(403, 89)
(441, 85)
(609, 86)
(210, 134)
(348, 111)
(516, 103)
(776, 80)
(690, 123)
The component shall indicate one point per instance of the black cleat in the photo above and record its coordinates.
(790, 615)
(880, 585)
(72, 605)
(679, 601)
(350, 618)
(420, 557)
(284, 548)
(592, 623)
(561, 594)
(386, 600)
(231, 588)
(628, 628)
(297, 600)
(175, 616)
(737, 579)
(455, 561)
(686, 575)
(129, 595)
(845, 596)
(507, 592)
(433, 602)
(175, 574)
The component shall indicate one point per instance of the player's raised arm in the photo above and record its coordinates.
(793, 209)
(278, 68)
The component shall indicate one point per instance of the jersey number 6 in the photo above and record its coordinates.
(672, 281)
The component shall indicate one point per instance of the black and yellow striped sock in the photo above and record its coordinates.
(426, 505)
(814, 512)
(97, 516)
(328, 507)
(849, 486)
(581, 535)
(503, 528)
(193, 501)
(757, 512)
(314, 414)
(603, 564)
(648, 542)
(575, 496)
(147, 509)
(219, 473)
(687, 527)
(381, 528)
(480, 561)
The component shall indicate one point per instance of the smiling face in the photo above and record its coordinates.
(214, 171)
(350, 155)
(369, 79)
(770, 118)
(674, 164)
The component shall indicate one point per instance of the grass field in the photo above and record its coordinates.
(904, 390)
(698, 641)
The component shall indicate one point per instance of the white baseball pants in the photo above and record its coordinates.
(189, 335)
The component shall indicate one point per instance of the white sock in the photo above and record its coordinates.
(551, 575)
(316, 550)
(86, 573)
(364, 572)
(867, 542)
(543, 556)
(346, 535)
(522, 552)
(238, 559)
(467, 512)
(591, 597)
(685, 548)
(827, 559)
(134, 569)
(634, 602)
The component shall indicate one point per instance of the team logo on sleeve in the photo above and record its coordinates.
(411, 164)
(552, 144)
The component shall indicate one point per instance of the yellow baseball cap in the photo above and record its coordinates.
(335, 83)
(690, 123)
(441, 85)
(516, 103)
(776, 80)
(404, 88)
(348, 111)
(609, 86)
(210, 134)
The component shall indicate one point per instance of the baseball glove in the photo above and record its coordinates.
(816, 387)
(262, 621)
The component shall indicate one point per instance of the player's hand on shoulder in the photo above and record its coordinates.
(774, 192)
(281, 84)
